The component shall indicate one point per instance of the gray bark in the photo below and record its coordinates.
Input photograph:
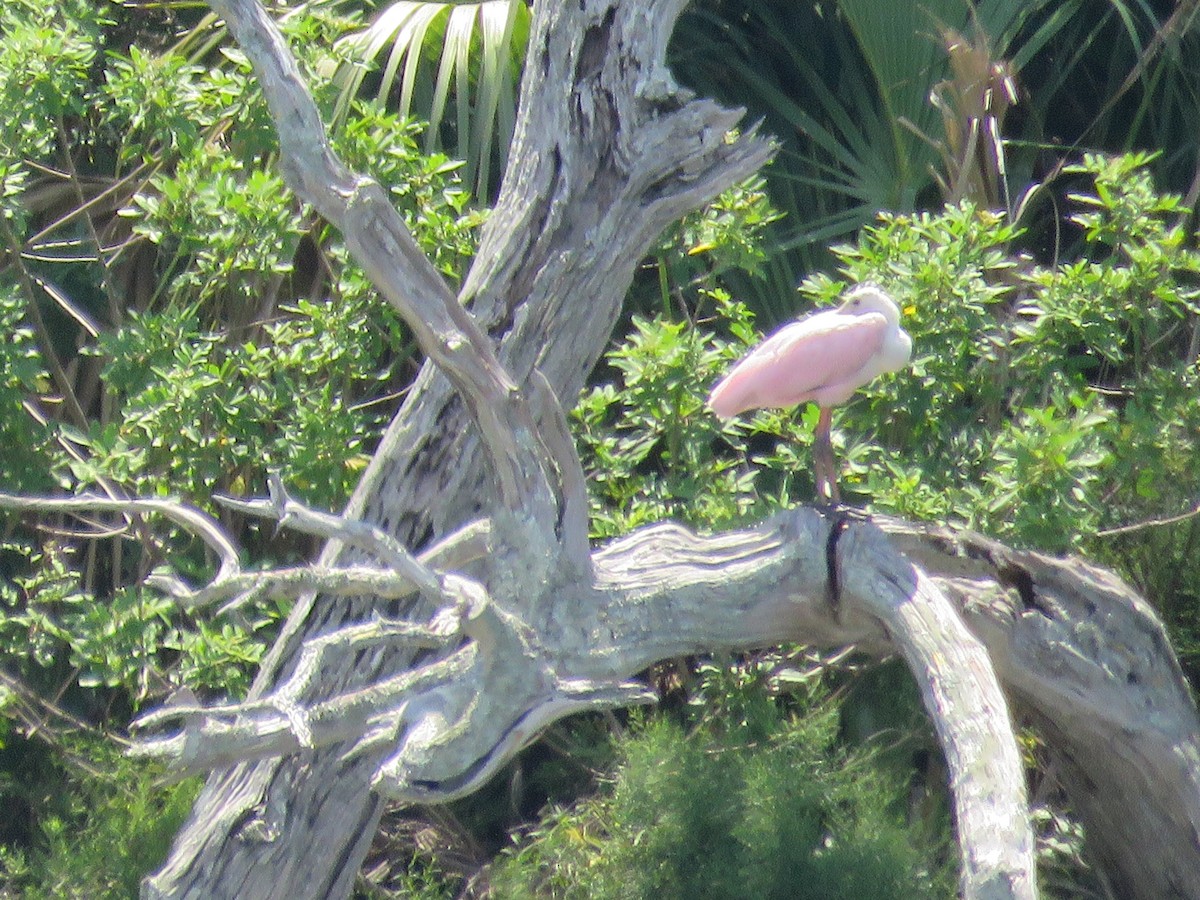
(608, 152)
(527, 625)
(1085, 659)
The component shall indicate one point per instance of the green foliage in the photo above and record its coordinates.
(36, 610)
(165, 106)
(425, 186)
(1047, 403)
(45, 66)
(124, 641)
(646, 439)
(100, 833)
(231, 229)
(476, 48)
(1006, 419)
(201, 413)
(726, 234)
(902, 106)
(421, 880)
(1044, 404)
(648, 447)
(25, 462)
(751, 802)
(218, 329)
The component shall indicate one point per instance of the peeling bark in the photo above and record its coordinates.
(1087, 661)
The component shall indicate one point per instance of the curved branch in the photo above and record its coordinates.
(195, 520)
(280, 725)
(661, 592)
(1088, 662)
(963, 699)
(382, 243)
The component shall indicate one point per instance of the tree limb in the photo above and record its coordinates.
(583, 200)
(1075, 648)
(190, 517)
(382, 243)
(963, 698)
(608, 151)
(1086, 659)
(363, 535)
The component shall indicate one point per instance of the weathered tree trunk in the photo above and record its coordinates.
(1087, 661)
(608, 152)
(530, 625)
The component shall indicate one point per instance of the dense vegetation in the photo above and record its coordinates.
(178, 323)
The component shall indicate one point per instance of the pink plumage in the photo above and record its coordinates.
(823, 358)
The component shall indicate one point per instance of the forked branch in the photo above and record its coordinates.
(382, 546)
(528, 625)
(380, 241)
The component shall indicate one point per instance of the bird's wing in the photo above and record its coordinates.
(798, 361)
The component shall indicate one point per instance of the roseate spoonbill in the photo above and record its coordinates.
(822, 358)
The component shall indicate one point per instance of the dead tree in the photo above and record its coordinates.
(458, 607)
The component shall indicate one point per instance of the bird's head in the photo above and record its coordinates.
(867, 297)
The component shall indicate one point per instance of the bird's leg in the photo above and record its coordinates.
(823, 467)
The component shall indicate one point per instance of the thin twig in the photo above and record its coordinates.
(1150, 523)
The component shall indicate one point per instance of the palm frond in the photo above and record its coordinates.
(453, 64)
(900, 43)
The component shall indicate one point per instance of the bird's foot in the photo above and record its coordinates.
(841, 517)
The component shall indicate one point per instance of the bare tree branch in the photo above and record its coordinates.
(963, 698)
(455, 720)
(663, 591)
(297, 516)
(237, 591)
(1150, 523)
(381, 242)
(194, 520)
(1087, 660)
(347, 708)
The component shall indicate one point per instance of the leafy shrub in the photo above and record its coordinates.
(220, 329)
(101, 826)
(260, 345)
(648, 445)
(1045, 403)
(753, 802)
(1034, 391)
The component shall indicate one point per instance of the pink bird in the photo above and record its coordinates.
(823, 359)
